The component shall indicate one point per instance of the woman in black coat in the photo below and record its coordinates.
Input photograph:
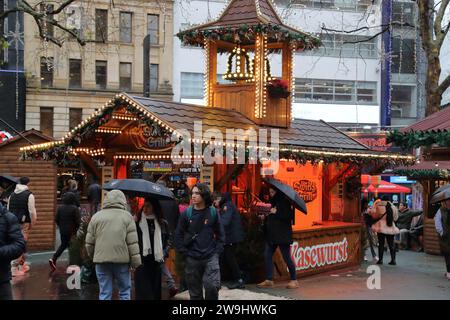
(68, 219)
(278, 233)
(154, 243)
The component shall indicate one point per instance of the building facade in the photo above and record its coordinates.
(65, 84)
(339, 83)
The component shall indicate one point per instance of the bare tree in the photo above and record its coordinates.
(433, 31)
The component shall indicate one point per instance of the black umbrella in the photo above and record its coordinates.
(8, 179)
(139, 188)
(289, 192)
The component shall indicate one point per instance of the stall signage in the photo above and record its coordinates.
(154, 166)
(306, 189)
(319, 255)
(150, 138)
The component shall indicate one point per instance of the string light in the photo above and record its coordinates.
(108, 130)
(124, 117)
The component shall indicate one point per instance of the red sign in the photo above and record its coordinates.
(319, 255)
(306, 189)
(375, 141)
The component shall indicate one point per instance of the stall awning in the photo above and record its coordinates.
(387, 187)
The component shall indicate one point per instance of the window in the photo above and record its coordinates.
(101, 25)
(403, 56)
(335, 91)
(404, 13)
(403, 104)
(48, 26)
(74, 73)
(46, 121)
(100, 74)
(125, 27)
(348, 46)
(125, 76)
(46, 72)
(154, 77)
(351, 5)
(192, 85)
(153, 28)
(75, 117)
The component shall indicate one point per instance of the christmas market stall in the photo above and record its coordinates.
(42, 176)
(250, 115)
(430, 139)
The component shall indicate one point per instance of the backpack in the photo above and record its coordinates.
(212, 211)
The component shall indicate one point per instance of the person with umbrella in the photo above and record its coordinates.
(278, 233)
(442, 224)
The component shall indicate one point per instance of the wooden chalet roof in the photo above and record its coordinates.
(303, 133)
(438, 121)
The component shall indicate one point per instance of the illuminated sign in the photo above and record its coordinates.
(320, 255)
(306, 189)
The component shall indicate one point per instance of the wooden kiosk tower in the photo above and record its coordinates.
(248, 30)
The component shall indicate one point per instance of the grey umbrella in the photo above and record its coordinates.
(289, 192)
(442, 195)
(140, 188)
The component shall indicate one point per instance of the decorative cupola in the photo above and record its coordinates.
(248, 31)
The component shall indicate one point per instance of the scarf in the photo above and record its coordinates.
(157, 239)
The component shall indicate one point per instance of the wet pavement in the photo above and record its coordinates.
(416, 276)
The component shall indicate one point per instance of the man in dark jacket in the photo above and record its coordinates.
(12, 245)
(200, 237)
(234, 233)
(68, 220)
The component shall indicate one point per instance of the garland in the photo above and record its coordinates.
(303, 158)
(414, 139)
(432, 174)
(247, 33)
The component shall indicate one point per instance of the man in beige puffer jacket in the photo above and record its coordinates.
(112, 242)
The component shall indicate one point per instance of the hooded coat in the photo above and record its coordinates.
(12, 243)
(68, 217)
(111, 235)
(231, 220)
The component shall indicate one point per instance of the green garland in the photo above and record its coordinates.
(247, 34)
(303, 158)
(432, 174)
(414, 139)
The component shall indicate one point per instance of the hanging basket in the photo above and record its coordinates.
(278, 93)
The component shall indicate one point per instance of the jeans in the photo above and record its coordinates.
(25, 227)
(201, 273)
(169, 279)
(5, 291)
(285, 252)
(65, 243)
(106, 273)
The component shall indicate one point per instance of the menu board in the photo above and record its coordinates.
(207, 176)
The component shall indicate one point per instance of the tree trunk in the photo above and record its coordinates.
(434, 96)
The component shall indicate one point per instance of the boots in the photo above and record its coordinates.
(237, 285)
(380, 254)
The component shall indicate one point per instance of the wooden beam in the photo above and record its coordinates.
(225, 178)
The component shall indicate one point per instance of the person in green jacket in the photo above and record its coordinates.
(112, 242)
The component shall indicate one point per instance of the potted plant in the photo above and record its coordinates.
(278, 88)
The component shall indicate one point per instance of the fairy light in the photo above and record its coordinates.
(124, 117)
(264, 87)
(206, 52)
(108, 130)
(293, 49)
(257, 77)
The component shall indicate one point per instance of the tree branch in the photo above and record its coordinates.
(440, 34)
(61, 7)
(444, 85)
